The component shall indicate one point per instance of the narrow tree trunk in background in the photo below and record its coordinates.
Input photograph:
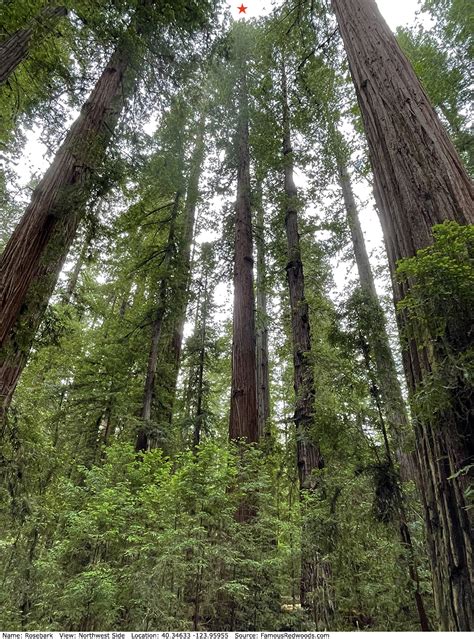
(15, 48)
(74, 277)
(263, 374)
(309, 457)
(394, 477)
(387, 379)
(243, 407)
(144, 440)
(34, 255)
(419, 181)
(199, 417)
(183, 279)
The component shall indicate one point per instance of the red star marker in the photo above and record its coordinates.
(242, 9)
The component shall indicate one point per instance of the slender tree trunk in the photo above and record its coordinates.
(419, 181)
(144, 440)
(183, 279)
(15, 48)
(76, 271)
(387, 378)
(34, 255)
(189, 391)
(199, 417)
(403, 529)
(263, 373)
(243, 407)
(309, 457)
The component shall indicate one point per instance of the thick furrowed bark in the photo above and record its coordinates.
(14, 49)
(314, 573)
(34, 255)
(14, 354)
(243, 407)
(419, 181)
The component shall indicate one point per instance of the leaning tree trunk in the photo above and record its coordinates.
(387, 378)
(34, 255)
(15, 48)
(182, 282)
(385, 385)
(393, 477)
(263, 373)
(243, 408)
(309, 458)
(76, 271)
(144, 439)
(419, 181)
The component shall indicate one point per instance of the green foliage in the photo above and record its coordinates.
(98, 537)
(438, 309)
(147, 543)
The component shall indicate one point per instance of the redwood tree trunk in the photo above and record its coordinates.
(15, 48)
(309, 456)
(394, 473)
(76, 271)
(419, 181)
(199, 417)
(263, 373)
(183, 278)
(387, 379)
(34, 255)
(314, 572)
(144, 440)
(243, 408)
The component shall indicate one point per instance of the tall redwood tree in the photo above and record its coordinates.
(243, 408)
(35, 253)
(314, 571)
(419, 181)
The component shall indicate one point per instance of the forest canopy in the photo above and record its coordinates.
(220, 407)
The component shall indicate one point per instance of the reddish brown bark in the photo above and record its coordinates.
(243, 408)
(263, 372)
(34, 255)
(315, 573)
(419, 181)
(15, 48)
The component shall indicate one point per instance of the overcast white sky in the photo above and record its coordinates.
(396, 12)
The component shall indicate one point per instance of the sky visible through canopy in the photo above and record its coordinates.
(396, 12)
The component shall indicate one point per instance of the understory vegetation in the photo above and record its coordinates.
(223, 406)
